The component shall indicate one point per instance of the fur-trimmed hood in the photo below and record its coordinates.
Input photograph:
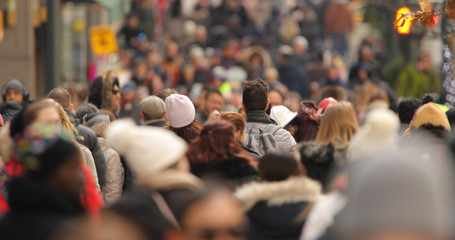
(292, 190)
(101, 91)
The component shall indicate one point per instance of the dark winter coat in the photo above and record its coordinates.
(37, 211)
(320, 159)
(278, 210)
(233, 171)
(139, 207)
(88, 138)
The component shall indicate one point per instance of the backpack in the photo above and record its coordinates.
(262, 142)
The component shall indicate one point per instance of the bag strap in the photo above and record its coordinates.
(250, 139)
(261, 136)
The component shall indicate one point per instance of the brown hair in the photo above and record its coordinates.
(278, 167)
(235, 119)
(338, 125)
(216, 142)
(188, 133)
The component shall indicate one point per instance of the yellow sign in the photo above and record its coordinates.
(102, 40)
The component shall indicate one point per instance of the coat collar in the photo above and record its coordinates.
(259, 116)
(292, 190)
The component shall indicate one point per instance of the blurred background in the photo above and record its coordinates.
(49, 43)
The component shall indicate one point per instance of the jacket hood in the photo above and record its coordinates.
(292, 190)
(101, 91)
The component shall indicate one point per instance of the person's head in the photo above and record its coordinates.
(172, 50)
(238, 121)
(427, 98)
(166, 92)
(152, 108)
(378, 207)
(407, 108)
(201, 34)
(332, 73)
(338, 125)
(300, 45)
(451, 116)
(128, 92)
(61, 96)
(213, 101)
(63, 117)
(431, 118)
(366, 54)
(85, 109)
(50, 156)
(275, 167)
(255, 95)
(276, 97)
(135, 144)
(16, 91)
(132, 22)
(105, 92)
(324, 104)
(271, 75)
(216, 142)
(98, 122)
(214, 215)
(180, 111)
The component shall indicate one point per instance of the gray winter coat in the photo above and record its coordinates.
(259, 120)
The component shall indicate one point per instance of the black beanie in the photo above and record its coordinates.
(53, 157)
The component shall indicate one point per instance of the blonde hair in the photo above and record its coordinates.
(338, 125)
(66, 123)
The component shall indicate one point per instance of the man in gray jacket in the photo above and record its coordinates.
(262, 134)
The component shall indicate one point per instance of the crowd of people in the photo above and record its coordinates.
(231, 126)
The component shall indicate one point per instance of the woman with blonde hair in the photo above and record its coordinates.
(71, 129)
(338, 126)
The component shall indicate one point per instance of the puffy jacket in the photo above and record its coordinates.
(114, 173)
(278, 210)
(90, 163)
(257, 119)
(90, 140)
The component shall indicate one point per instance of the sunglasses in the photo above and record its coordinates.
(115, 92)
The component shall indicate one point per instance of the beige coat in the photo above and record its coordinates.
(114, 173)
(90, 163)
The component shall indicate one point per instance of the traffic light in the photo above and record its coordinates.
(404, 25)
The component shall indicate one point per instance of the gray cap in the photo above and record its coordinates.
(153, 107)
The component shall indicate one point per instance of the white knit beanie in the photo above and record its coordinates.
(180, 111)
(147, 150)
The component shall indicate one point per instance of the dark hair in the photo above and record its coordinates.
(436, 131)
(164, 93)
(61, 96)
(407, 108)
(255, 94)
(278, 167)
(216, 142)
(427, 98)
(27, 116)
(188, 133)
(451, 116)
(84, 110)
(209, 91)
